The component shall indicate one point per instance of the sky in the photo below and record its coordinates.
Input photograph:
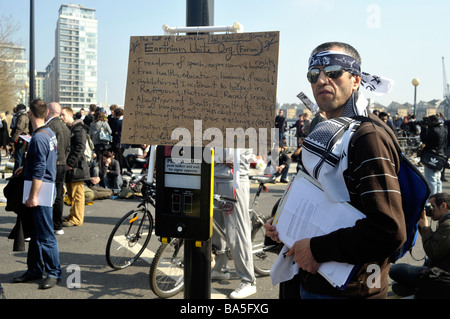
(400, 40)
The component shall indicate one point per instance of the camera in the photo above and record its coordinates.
(428, 210)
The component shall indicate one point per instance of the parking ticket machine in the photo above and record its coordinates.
(184, 192)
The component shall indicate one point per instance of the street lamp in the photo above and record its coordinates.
(415, 82)
(32, 61)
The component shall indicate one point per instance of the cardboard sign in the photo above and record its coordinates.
(178, 87)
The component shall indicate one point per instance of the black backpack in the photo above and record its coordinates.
(433, 283)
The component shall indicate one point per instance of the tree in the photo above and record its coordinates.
(8, 57)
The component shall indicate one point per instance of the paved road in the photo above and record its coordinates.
(85, 247)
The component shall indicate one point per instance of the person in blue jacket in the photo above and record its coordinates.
(40, 167)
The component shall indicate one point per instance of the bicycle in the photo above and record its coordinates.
(167, 269)
(131, 235)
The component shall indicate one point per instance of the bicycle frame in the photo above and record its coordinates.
(254, 215)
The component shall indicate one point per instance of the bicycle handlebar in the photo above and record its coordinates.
(221, 198)
(141, 178)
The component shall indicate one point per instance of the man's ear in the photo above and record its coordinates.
(356, 82)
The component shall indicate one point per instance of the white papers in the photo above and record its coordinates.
(305, 212)
(45, 194)
(26, 138)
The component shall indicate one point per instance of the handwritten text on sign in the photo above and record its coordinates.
(224, 81)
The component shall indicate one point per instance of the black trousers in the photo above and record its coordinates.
(58, 206)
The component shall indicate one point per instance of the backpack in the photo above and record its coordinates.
(13, 193)
(89, 149)
(415, 192)
(433, 283)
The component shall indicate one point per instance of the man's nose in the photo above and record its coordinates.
(323, 79)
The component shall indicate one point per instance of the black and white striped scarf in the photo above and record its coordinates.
(325, 149)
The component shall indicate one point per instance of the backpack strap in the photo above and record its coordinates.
(368, 119)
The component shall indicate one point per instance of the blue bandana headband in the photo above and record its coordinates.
(376, 84)
(325, 58)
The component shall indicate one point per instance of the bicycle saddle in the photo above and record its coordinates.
(263, 178)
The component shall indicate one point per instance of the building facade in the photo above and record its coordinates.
(71, 77)
(14, 69)
(39, 85)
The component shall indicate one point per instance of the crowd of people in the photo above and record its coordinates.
(88, 156)
(90, 153)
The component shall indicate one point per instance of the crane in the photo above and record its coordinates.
(446, 100)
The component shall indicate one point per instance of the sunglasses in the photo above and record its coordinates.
(330, 71)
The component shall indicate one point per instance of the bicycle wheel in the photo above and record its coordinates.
(129, 238)
(167, 269)
(262, 259)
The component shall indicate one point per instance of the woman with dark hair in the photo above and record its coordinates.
(4, 134)
(97, 130)
(117, 147)
(110, 172)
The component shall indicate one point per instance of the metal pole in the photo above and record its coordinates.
(32, 67)
(197, 270)
(197, 266)
(199, 13)
(415, 93)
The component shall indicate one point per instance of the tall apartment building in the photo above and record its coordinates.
(39, 86)
(14, 67)
(71, 77)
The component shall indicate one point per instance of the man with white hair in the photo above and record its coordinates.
(62, 133)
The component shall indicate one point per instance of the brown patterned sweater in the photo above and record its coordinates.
(371, 180)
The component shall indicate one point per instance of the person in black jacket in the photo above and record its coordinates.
(62, 133)
(77, 168)
(110, 172)
(282, 166)
(20, 127)
(117, 146)
(280, 124)
(434, 136)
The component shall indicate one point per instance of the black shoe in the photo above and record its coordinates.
(402, 290)
(26, 277)
(49, 283)
(284, 181)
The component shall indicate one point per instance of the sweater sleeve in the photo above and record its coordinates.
(436, 244)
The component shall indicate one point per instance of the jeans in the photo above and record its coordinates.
(304, 294)
(284, 173)
(114, 183)
(43, 252)
(19, 155)
(405, 274)
(434, 180)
